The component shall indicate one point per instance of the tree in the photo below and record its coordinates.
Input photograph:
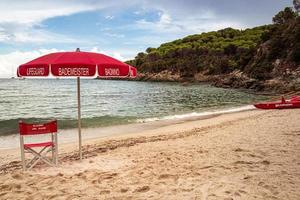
(150, 49)
(297, 5)
(230, 49)
(284, 16)
(139, 59)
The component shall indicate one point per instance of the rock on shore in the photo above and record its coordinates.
(235, 79)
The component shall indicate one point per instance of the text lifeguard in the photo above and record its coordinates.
(35, 71)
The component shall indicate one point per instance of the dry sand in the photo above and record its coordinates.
(247, 155)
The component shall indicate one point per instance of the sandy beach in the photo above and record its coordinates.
(245, 155)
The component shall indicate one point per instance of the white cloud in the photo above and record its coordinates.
(32, 11)
(105, 28)
(3, 35)
(177, 24)
(110, 32)
(109, 17)
(20, 21)
(28, 35)
(251, 13)
(114, 54)
(118, 56)
(10, 62)
(97, 50)
(165, 19)
(137, 12)
(115, 35)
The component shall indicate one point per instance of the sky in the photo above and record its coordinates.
(121, 29)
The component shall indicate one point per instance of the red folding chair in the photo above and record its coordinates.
(44, 147)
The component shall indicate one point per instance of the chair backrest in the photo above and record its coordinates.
(36, 129)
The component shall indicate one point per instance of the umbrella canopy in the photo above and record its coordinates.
(77, 64)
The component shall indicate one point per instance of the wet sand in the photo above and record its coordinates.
(246, 155)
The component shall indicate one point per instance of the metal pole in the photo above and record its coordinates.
(79, 117)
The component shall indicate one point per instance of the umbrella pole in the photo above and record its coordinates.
(79, 116)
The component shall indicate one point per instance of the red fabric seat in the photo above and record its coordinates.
(42, 144)
(34, 130)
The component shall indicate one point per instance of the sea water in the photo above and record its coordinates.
(111, 102)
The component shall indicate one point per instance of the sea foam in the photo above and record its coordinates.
(198, 114)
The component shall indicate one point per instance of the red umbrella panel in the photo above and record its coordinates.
(76, 64)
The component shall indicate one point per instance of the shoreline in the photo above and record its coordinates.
(234, 80)
(67, 136)
(92, 136)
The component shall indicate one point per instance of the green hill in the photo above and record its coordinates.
(248, 58)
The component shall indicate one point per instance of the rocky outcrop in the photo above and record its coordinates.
(235, 79)
(161, 76)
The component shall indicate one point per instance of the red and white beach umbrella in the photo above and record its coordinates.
(77, 64)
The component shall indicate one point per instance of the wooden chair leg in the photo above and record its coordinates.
(22, 152)
(53, 148)
(56, 150)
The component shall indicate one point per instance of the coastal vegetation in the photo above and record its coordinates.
(262, 58)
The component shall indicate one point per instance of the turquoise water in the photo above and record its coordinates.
(108, 102)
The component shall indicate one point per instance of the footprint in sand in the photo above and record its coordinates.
(54, 196)
(247, 177)
(242, 191)
(265, 162)
(73, 197)
(105, 192)
(5, 187)
(123, 190)
(142, 189)
(109, 176)
(165, 176)
(239, 150)
(17, 176)
(237, 194)
(269, 188)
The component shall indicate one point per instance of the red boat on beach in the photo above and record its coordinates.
(294, 102)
